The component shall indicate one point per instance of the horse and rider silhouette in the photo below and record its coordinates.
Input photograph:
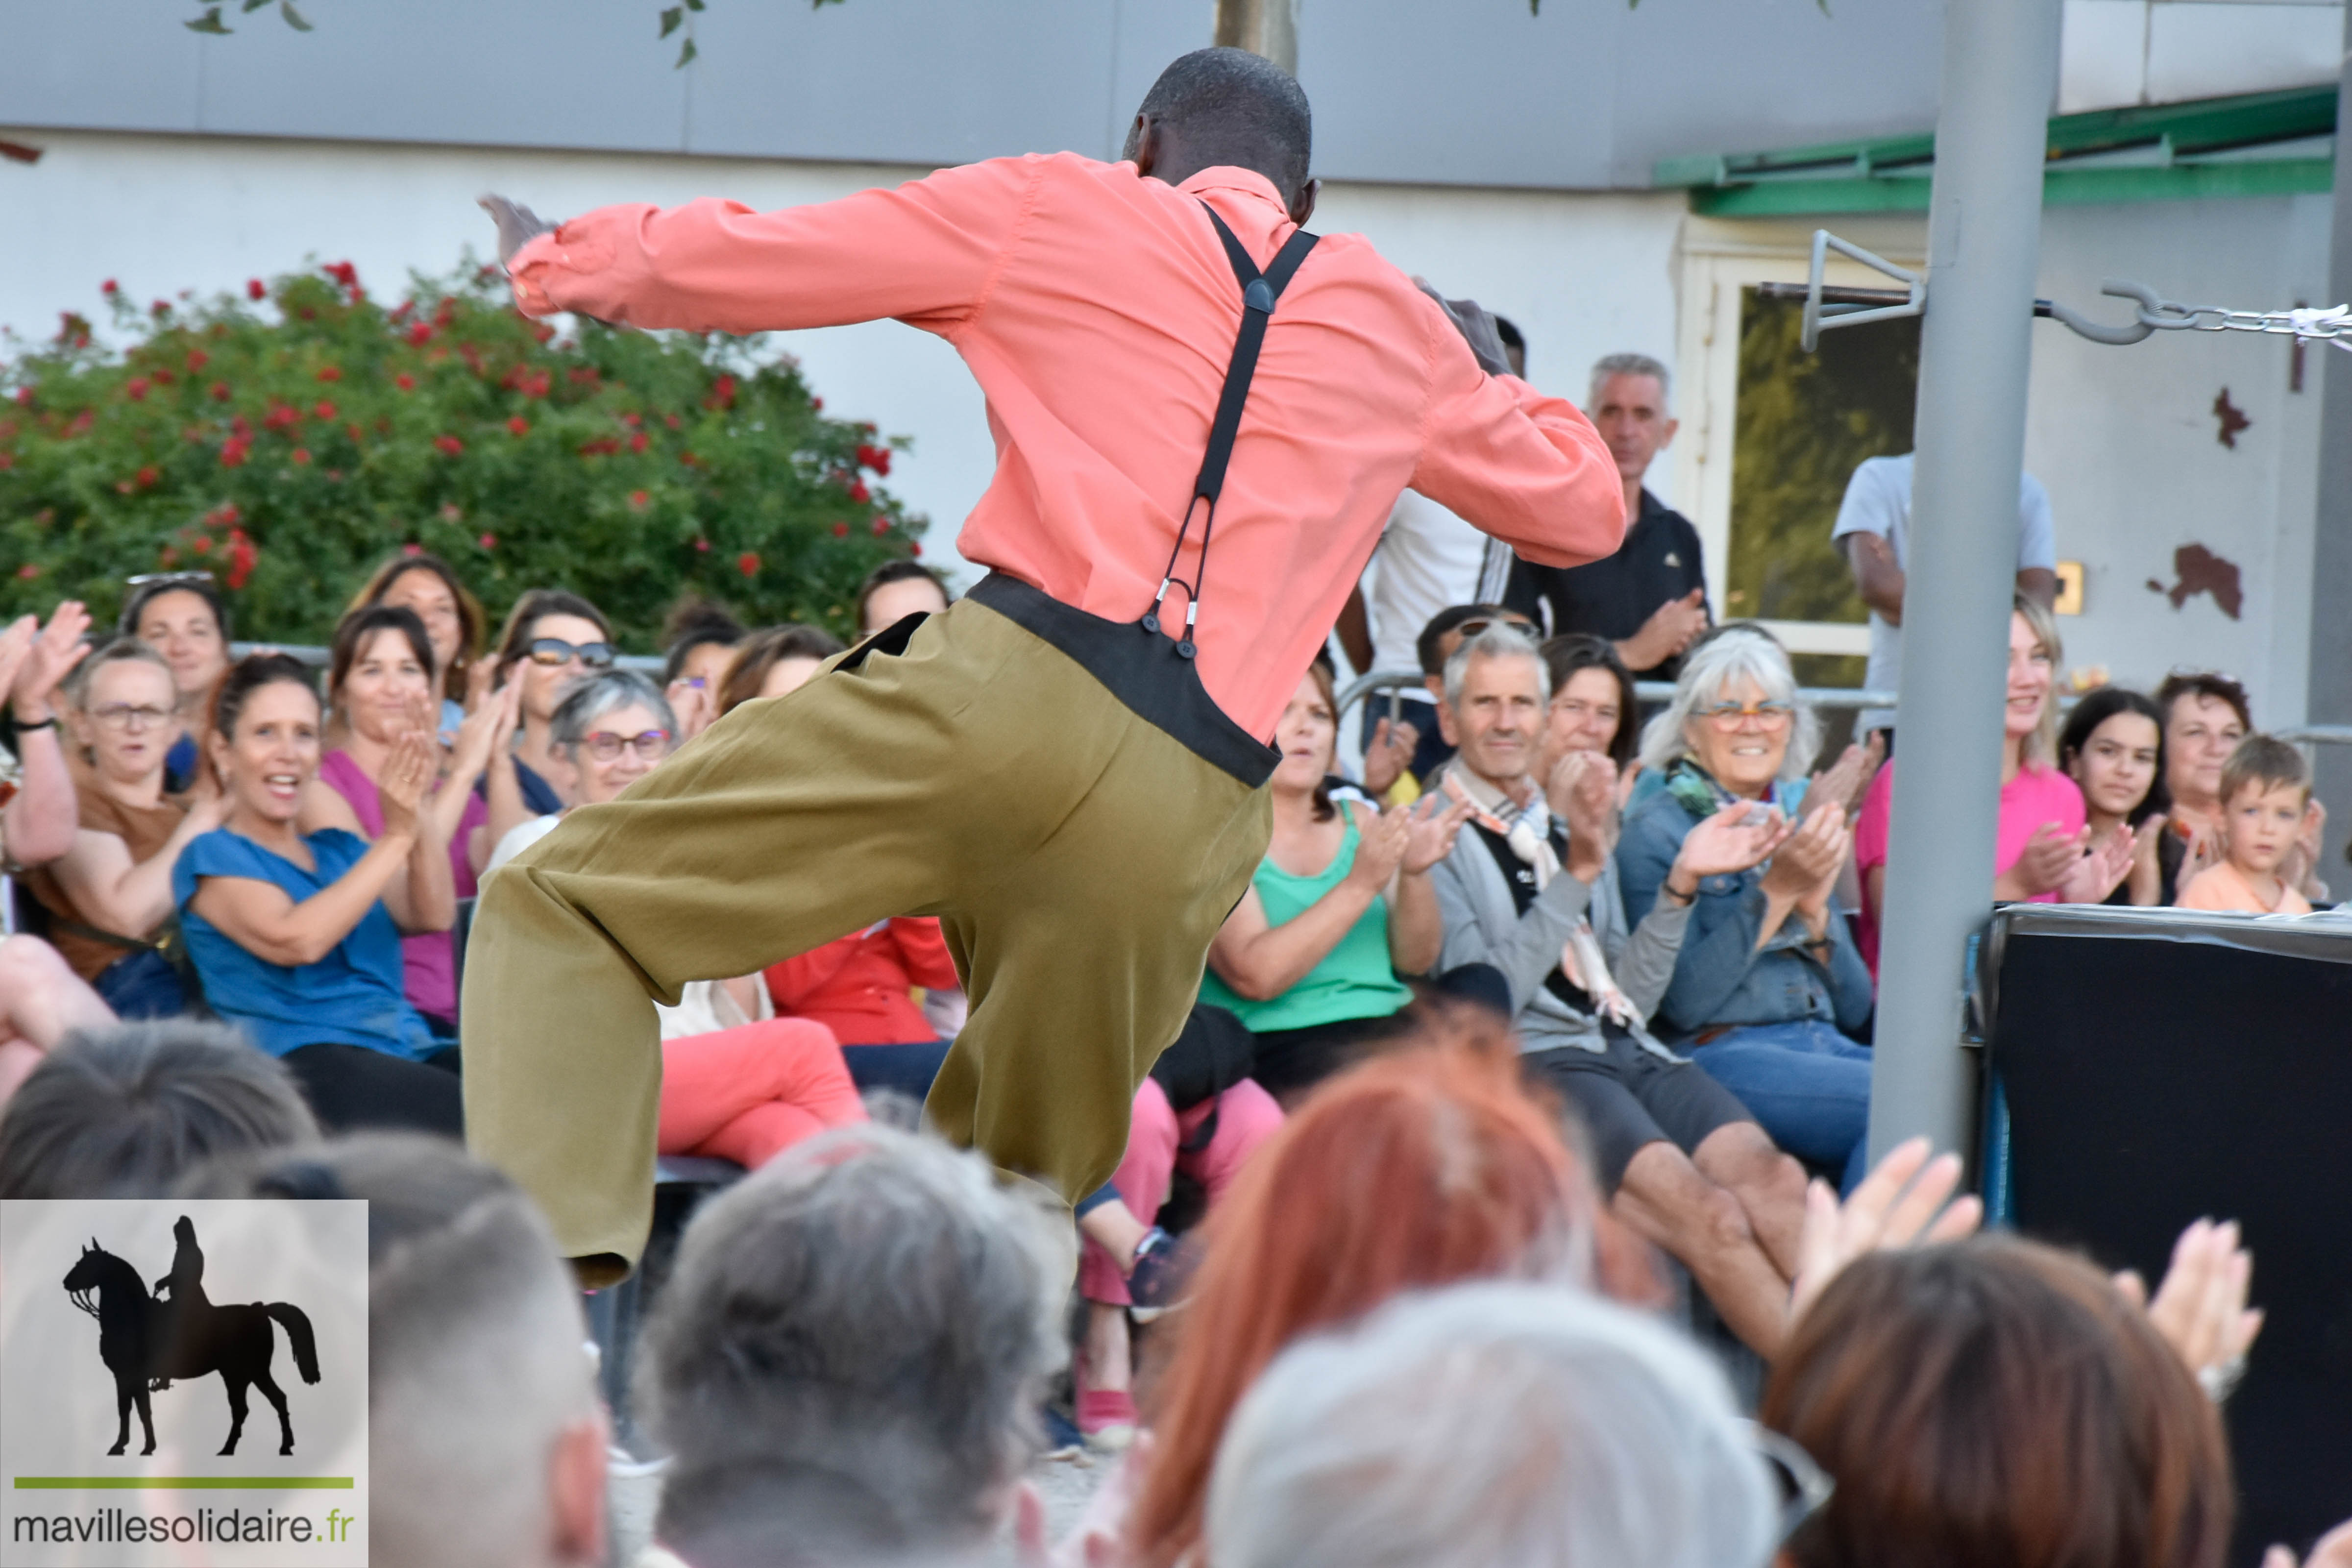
(147, 1342)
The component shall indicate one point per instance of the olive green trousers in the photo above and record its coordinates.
(1080, 860)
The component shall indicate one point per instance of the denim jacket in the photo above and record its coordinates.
(1720, 977)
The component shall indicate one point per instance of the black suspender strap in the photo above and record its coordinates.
(1260, 290)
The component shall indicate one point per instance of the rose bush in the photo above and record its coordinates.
(289, 440)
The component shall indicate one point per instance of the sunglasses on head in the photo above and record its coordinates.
(166, 579)
(1472, 629)
(553, 651)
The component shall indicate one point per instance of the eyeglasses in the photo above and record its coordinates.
(605, 746)
(1770, 713)
(1805, 1488)
(123, 716)
(553, 651)
(148, 579)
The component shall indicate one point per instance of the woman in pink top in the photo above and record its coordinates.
(381, 681)
(2045, 853)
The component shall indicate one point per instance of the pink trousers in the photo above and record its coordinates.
(1158, 1145)
(748, 1093)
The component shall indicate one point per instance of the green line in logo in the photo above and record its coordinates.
(182, 1483)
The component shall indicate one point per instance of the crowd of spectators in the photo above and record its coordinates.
(1552, 1014)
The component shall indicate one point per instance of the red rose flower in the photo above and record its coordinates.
(29, 570)
(220, 392)
(160, 309)
(322, 409)
(137, 388)
(858, 494)
(355, 432)
(162, 378)
(241, 557)
(202, 546)
(702, 544)
(841, 531)
(8, 461)
(197, 360)
(916, 549)
(722, 394)
(412, 549)
(255, 290)
(488, 542)
(146, 476)
(518, 425)
(637, 442)
(233, 450)
(330, 372)
(110, 286)
(639, 498)
(673, 421)
(418, 331)
(881, 526)
(405, 382)
(748, 563)
(302, 456)
(25, 395)
(449, 444)
(342, 272)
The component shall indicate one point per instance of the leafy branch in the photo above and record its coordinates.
(210, 22)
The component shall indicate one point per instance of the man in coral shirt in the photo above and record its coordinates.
(1068, 775)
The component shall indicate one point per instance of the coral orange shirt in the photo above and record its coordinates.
(2224, 887)
(1098, 310)
(857, 985)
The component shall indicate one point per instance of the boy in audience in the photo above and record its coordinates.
(2265, 794)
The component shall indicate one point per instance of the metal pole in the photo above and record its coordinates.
(2329, 699)
(1267, 28)
(1984, 222)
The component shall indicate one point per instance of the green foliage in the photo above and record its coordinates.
(290, 440)
(1805, 423)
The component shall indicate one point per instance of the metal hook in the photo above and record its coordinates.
(1820, 317)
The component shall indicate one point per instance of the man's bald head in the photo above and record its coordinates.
(1221, 106)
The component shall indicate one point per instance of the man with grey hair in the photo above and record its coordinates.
(1530, 887)
(487, 1443)
(1491, 1426)
(846, 1361)
(1649, 598)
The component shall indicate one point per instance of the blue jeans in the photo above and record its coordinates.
(1807, 1084)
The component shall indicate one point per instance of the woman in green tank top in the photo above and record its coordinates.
(1339, 907)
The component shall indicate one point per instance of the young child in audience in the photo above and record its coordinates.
(2265, 792)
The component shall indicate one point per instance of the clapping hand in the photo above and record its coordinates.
(1430, 826)
(1848, 780)
(518, 225)
(2333, 1551)
(1390, 754)
(2048, 858)
(488, 723)
(1740, 835)
(2201, 1308)
(1583, 790)
(2095, 874)
(49, 658)
(1672, 627)
(407, 774)
(1900, 1203)
(1805, 868)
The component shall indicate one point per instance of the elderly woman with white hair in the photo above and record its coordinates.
(1492, 1425)
(1768, 989)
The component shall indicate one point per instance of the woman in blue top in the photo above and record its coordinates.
(1340, 906)
(1769, 989)
(297, 936)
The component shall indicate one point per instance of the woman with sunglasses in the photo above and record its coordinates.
(109, 898)
(2044, 854)
(181, 614)
(380, 685)
(1768, 989)
(737, 1082)
(552, 639)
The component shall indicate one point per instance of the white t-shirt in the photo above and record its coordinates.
(1878, 501)
(703, 1007)
(1428, 559)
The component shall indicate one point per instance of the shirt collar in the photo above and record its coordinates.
(1237, 181)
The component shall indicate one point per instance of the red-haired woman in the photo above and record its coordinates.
(1424, 1166)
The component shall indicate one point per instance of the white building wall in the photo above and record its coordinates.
(1583, 275)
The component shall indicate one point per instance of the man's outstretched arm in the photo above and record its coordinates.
(922, 253)
(1528, 468)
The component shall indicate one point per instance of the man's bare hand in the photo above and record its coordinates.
(518, 225)
(1390, 754)
(1672, 627)
(1476, 327)
(1583, 790)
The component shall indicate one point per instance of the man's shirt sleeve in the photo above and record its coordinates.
(923, 252)
(1870, 505)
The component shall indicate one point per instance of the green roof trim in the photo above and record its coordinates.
(1893, 173)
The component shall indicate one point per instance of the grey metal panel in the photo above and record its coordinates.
(1745, 76)
(1466, 92)
(109, 65)
(587, 73)
(900, 81)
